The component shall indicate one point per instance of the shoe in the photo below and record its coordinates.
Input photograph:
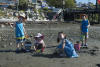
(22, 49)
(82, 45)
(86, 45)
(17, 50)
(62, 55)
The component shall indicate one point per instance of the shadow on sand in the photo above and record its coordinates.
(7, 51)
(48, 55)
(20, 51)
(92, 52)
(51, 46)
(98, 65)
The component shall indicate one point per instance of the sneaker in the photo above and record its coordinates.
(82, 45)
(62, 55)
(17, 50)
(86, 45)
(22, 49)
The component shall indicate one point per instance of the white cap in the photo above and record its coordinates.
(16, 14)
(39, 35)
(22, 14)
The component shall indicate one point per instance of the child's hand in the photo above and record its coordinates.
(25, 33)
(44, 46)
(11, 24)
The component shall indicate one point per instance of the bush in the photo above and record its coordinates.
(2, 13)
(46, 8)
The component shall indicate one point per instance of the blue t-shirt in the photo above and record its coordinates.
(19, 31)
(68, 49)
(84, 26)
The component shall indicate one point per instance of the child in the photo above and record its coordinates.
(60, 36)
(84, 30)
(39, 43)
(77, 45)
(66, 46)
(20, 31)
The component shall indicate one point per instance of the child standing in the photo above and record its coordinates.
(20, 31)
(84, 30)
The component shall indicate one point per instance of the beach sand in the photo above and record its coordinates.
(87, 57)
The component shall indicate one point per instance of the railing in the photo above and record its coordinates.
(82, 11)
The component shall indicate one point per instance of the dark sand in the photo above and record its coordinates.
(88, 57)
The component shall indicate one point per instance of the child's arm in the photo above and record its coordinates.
(43, 44)
(81, 27)
(34, 45)
(12, 25)
(88, 24)
(34, 48)
(24, 29)
(63, 44)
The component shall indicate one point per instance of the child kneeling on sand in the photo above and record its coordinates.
(67, 47)
(39, 44)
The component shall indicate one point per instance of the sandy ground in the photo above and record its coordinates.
(88, 57)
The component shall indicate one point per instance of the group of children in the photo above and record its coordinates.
(64, 43)
(21, 36)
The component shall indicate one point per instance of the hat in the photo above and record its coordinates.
(39, 35)
(16, 14)
(22, 15)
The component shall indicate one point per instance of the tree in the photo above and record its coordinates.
(79, 4)
(56, 3)
(59, 3)
(91, 5)
(23, 4)
(70, 3)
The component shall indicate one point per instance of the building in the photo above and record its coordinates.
(40, 3)
(8, 2)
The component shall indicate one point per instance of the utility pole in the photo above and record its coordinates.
(98, 9)
(96, 4)
(63, 4)
(17, 5)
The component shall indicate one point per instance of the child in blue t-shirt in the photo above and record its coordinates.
(84, 30)
(19, 31)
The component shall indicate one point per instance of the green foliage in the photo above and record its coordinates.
(35, 10)
(23, 4)
(70, 3)
(49, 10)
(2, 13)
(59, 3)
(56, 3)
(46, 8)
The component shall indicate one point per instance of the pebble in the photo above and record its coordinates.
(10, 44)
(4, 46)
(2, 25)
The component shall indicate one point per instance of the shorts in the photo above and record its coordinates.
(84, 35)
(39, 46)
(20, 39)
